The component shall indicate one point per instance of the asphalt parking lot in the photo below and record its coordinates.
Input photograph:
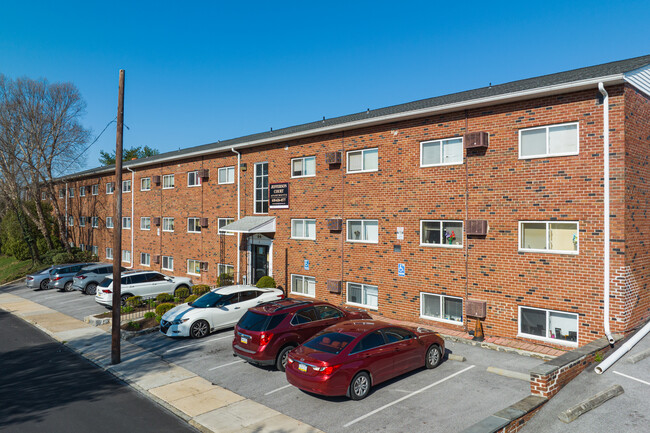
(449, 398)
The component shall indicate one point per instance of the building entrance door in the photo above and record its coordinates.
(260, 262)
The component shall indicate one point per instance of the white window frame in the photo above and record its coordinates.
(95, 250)
(221, 267)
(362, 152)
(70, 221)
(255, 188)
(303, 231)
(227, 170)
(162, 263)
(126, 253)
(109, 219)
(110, 188)
(304, 281)
(62, 193)
(442, 312)
(143, 220)
(547, 250)
(548, 154)
(82, 221)
(125, 220)
(71, 192)
(197, 180)
(94, 222)
(147, 261)
(94, 189)
(188, 267)
(363, 288)
(442, 142)
(443, 245)
(142, 182)
(82, 191)
(227, 221)
(363, 221)
(548, 339)
(166, 177)
(167, 219)
(109, 256)
(126, 186)
(197, 223)
(302, 159)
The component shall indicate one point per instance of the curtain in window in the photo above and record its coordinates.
(533, 142)
(563, 139)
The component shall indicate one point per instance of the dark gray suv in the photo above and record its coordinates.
(61, 275)
(87, 279)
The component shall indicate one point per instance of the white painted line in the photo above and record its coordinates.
(279, 389)
(633, 378)
(226, 365)
(198, 344)
(407, 396)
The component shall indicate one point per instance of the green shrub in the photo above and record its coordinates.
(266, 283)
(127, 309)
(163, 308)
(182, 293)
(164, 297)
(134, 301)
(191, 298)
(63, 257)
(149, 315)
(200, 289)
(224, 280)
(158, 319)
(134, 326)
(151, 303)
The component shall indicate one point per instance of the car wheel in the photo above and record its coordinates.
(43, 285)
(178, 288)
(434, 356)
(68, 286)
(123, 299)
(91, 289)
(199, 329)
(281, 360)
(360, 386)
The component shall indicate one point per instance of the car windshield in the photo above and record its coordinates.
(332, 342)
(209, 300)
(106, 282)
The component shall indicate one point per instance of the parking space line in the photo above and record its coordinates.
(226, 365)
(279, 389)
(633, 378)
(198, 343)
(361, 418)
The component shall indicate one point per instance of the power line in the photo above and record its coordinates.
(89, 146)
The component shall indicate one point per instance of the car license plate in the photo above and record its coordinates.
(302, 367)
(244, 340)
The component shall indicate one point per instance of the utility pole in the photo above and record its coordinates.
(117, 231)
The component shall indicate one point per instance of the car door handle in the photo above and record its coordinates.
(237, 308)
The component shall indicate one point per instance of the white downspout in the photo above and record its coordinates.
(238, 208)
(67, 218)
(611, 359)
(606, 277)
(132, 220)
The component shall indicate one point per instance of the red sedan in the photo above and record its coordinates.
(350, 357)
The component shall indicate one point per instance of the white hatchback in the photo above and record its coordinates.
(218, 309)
(140, 283)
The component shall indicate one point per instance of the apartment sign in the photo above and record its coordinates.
(279, 195)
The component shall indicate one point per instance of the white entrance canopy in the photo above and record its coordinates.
(251, 224)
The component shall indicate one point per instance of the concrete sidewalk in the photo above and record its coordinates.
(207, 407)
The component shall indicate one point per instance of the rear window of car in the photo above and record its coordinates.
(256, 322)
(106, 282)
(332, 342)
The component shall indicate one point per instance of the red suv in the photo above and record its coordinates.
(267, 332)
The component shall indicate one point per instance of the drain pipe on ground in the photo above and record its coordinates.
(602, 90)
(611, 359)
(238, 210)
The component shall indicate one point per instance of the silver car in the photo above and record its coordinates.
(39, 280)
(87, 279)
(61, 275)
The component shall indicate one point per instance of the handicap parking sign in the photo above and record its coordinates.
(401, 270)
(306, 265)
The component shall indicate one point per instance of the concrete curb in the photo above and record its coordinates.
(639, 356)
(496, 347)
(511, 374)
(127, 335)
(97, 321)
(593, 402)
(14, 281)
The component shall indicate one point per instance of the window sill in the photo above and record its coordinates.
(441, 246)
(226, 183)
(168, 187)
(146, 230)
(193, 232)
(436, 319)
(165, 269)
(303, 294)
(361, 171)
(168, 231)
(549, 340)
(556, 252)
(192, 186)
(553, 155)
(444, 164)
(370, 307)
(363, 242)
(307, 175)
(143, 190)
(226, 234)
(303, 239)
(196, 275)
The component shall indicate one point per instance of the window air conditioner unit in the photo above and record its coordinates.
(333, 158)
(156, 221)
(156, 180)
(156, 259)
(334, 286)
(476, 140)
(204, 173)
(204, 266)
(204, 222)
(477, 227)
(335, 224)
(477, 309)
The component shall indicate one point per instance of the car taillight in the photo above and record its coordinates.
(57, 279)
(107, 291)
(282, 296)
(265, 338)
(327, 370)
(81, 277)
(30, 278)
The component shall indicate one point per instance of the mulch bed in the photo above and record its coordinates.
(143, 324)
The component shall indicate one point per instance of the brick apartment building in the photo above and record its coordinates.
(420, 211)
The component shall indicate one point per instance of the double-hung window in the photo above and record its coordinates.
(551, 140)
(71, 221)
(555, 326)
(126, 186)
(145, 223)
(441, 152)
(95, 250)
(226, 175)
(82, 221)
(262, 187)
(194, 225)
(549, 236)
(363, 160)
(303, 167)
(226, 269)
(71, 192)
(94, 189)
(145, 259)
(126, 222)
(194, 267)
(62, 193)
(440, 307)
(303, 285)
(126, 256)
(363, 295)
(168, 181)
(363, 231)
(223, 222)
(193, 178)
(167, 263)
(303, 229)
(110, 188)
(109, 253)
(82, 191)
(94, 221)
(109, 222)
(441, 233)
(145, 184)
(168, 224)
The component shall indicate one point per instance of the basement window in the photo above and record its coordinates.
(555, 326)
(362, 295)
(440, 307)
(551, 140)
(303, 285)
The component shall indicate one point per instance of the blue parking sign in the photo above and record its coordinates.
(306, 265)
(401, 270)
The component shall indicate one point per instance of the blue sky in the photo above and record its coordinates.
(198, 72)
